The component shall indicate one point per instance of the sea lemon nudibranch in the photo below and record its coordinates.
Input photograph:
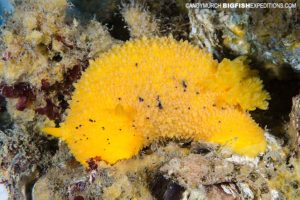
(149, 89)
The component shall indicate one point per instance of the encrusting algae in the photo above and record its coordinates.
(149, 89)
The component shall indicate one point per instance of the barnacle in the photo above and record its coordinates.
(149, 89)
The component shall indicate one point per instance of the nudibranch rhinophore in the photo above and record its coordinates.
(149, 89)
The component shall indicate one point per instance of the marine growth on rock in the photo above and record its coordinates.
(150, 89)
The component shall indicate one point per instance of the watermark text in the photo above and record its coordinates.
(240, 5)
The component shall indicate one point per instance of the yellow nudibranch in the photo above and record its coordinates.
(149, 89)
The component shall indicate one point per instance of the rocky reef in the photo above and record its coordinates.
(46, 47)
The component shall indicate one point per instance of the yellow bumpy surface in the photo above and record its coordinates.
(150, 89)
